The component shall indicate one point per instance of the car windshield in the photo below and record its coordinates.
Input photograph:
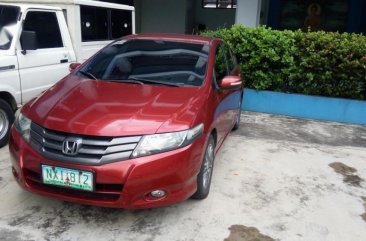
(150, 62)
(8, 19)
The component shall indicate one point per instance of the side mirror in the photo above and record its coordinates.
(73, 66)
(28, 40)
(231, 82)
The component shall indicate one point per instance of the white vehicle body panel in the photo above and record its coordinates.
(9, 76)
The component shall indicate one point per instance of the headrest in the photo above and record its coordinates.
(124, 66)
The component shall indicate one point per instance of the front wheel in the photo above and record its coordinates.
(237, 121)
(6, 119)
(205, 174)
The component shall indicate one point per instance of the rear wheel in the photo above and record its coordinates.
(205, 174)
(6, 119)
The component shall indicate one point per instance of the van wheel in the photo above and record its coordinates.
(6, 120)
(205, 174)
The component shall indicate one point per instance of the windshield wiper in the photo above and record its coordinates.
(132, 81)
(156, 82)
(88, 74)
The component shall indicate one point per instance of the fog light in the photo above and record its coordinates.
(158, 193)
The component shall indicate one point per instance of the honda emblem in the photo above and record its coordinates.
(71, 146)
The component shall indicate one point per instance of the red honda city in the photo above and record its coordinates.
(135, 126)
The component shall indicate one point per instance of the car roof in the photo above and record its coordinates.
(174, 37)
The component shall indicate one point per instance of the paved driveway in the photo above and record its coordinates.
(276, 178)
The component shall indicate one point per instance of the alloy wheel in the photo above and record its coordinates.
(4, 123)
(208, 165)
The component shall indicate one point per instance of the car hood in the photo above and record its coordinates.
(102, 108)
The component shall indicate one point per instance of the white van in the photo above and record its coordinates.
(39, 42)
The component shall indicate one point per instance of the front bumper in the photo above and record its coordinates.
(123, 184)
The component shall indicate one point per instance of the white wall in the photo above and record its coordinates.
(248, 12)
(214, 18)
(163, 16)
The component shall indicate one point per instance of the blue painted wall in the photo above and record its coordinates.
(312, 107)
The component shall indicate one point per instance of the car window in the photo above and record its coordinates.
(231, 60)
(165, 61)
(45, 25)
(221, 67)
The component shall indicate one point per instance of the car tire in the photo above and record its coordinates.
(237, 121)
(205, 174)
(6, 120)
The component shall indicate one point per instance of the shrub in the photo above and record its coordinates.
(313, 63)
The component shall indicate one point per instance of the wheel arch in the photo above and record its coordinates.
(6, 96)
(214, 134)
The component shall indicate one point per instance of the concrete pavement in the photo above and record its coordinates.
(276, 178)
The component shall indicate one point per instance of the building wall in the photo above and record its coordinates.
(264, 12)
(190, 16)
(137, 4)
(179, 16)
(164, 16)
(213, 18)
(248, 12)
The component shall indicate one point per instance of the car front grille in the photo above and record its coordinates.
(103, 192)
(93, 150)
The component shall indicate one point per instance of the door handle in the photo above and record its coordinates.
(64, 61)
(7, 67)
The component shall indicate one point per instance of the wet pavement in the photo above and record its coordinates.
(276, 178)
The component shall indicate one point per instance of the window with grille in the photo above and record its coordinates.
(219, 3)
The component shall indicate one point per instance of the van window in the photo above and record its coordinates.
(98, 24)
(8, 19)
(45, 25)
(121, 23)
(94, 23)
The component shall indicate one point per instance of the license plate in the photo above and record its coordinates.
(65, 177)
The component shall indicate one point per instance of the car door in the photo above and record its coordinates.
(221, 113)
(235, 97)
(39, 69)
(228, 100)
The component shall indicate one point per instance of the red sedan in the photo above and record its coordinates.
(136, 126)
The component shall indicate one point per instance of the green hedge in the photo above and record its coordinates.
(313, 63)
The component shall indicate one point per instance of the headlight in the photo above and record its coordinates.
(152, 144)
(22, 125)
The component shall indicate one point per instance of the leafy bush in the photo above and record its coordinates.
(313, 63)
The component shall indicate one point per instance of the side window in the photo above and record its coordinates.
(231, 60)
(46, 26)
(121, 21)
(94, 23)
(221, 68)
